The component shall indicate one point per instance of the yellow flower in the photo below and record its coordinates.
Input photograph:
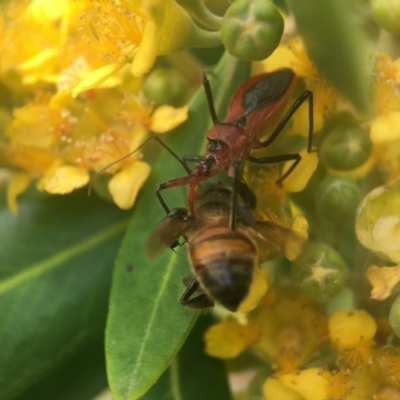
(352, 333)
(62, 142)
(292, 327)
(138, 31)
(229, 338)
(285, 328)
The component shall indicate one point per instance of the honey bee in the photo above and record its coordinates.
(225, 246)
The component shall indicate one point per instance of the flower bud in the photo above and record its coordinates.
(345, 148)
(166, 87)
(319, 272)
(387, 14)
(252, 29)
(337, 198)
(378, 221)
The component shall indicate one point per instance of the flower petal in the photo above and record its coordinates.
(300, 176)
(62, 179)
(386, 127)
(228, 338)
(294, 245)
(258, 288)
(17, 185)
(148, 50)
(95, 78)
(125, 184)
(382, 280)
(308, 383)
(165, 118)
(277, 390)
(348, 328)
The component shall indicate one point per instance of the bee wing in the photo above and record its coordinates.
(166, 233)
(280, 238)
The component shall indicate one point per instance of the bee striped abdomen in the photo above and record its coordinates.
(223, 261)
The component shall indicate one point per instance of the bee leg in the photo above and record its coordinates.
(178, 243)
(199, 302)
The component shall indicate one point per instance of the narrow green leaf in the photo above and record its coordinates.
(192, 375)
(80, 378)
(146, 324)
(56, 260)
(336, 39)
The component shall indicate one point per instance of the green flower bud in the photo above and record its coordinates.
(345, 148)
(378, 221)
(166, 86)
(387, 14)
(319, 272)
(337, 198)
(252, 29)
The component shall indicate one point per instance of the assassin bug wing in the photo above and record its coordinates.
(261, 97)
(168, 231)
(279, 238)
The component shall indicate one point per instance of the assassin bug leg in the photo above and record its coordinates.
(299, 101)
(278, 159)
(186, 180)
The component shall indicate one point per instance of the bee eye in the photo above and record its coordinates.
(215, 144)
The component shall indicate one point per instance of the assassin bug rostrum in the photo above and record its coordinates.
(258, 102)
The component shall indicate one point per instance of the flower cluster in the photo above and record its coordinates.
(78, 98)
(72, 109)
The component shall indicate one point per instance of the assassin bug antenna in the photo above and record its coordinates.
(133, 152)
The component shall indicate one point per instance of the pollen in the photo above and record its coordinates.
(115, 28)
(338, 384)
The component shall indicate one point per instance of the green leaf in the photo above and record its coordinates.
(80, 378)
(336, 39)
(55, 272)
(146, 324)
(192, 375)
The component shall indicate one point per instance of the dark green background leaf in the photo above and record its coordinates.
(80, 378)
(192, 375)
(56, 259)
(146, 324)
(335, 34)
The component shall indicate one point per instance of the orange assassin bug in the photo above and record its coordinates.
(258, 102)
